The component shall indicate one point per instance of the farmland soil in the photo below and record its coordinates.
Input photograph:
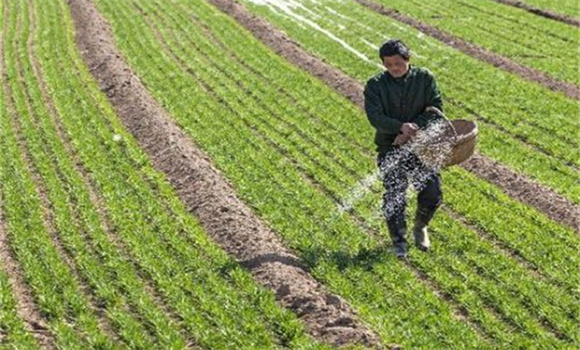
(514, 184)
(208, 195)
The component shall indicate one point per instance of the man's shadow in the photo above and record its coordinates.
(365, 258)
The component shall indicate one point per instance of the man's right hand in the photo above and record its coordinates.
(409, 129)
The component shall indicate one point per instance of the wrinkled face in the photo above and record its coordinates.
(396, 65)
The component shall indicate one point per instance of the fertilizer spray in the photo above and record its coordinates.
(432, 146)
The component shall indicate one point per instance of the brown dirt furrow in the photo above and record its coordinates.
(475, 51)
(516, 185)
(540, 12)
(208, 195)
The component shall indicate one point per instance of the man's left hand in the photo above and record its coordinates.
(401, 139)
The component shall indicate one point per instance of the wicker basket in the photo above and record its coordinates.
(446, 144)
(465, 140)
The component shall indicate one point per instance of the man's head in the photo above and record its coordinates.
(395, 56)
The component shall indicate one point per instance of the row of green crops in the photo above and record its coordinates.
(71, 175)
(293, 148)
(38, 258)
(522, 124)
(566, 7)
(537, 42)
(12, 331)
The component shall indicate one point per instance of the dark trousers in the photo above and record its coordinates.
(398, 167)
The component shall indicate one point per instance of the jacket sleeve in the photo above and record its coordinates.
(433, 98)
(375, 114)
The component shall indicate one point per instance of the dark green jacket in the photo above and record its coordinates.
(390, 102)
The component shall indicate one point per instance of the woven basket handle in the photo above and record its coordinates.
(437, 111)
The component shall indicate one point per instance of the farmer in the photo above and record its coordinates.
(395, 104)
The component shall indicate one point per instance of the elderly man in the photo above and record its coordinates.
(395, 104)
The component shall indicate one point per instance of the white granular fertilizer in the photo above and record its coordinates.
(432, 146)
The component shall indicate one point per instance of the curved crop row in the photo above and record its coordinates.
(536, 42)
(107, 208)
(566, 7)
(25, 221)
(281, 152)
(12, 331)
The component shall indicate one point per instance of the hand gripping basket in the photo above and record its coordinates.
(448, 143)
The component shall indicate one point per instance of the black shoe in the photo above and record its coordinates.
(400, 250)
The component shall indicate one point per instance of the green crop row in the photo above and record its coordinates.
(476, 90)
(74, 213)
(566, 7)
(215, 302)
(224, 80)
(56, 291)
(537, 42)
(13, 334)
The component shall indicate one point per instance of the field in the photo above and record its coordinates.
(200, 174)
